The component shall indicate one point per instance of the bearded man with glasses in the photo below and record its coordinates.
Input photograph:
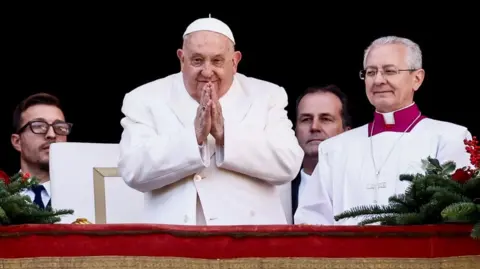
(38, 121)
(362, 166)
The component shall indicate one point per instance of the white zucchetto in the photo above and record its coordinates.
(210, 24)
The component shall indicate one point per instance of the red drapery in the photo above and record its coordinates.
(227, 242)
(247, 247)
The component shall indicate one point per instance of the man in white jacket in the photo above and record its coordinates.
(207, 145)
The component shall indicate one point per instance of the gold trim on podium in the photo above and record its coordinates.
(100, 204)
(88, 262)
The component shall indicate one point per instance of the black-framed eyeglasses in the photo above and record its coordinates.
(386, 72)
(42, 127)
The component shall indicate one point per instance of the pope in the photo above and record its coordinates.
(208, 145)
(362, 166)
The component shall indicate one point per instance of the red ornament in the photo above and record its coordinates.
(4, 177)
(462, 175)
(25, 176)
(473, 149)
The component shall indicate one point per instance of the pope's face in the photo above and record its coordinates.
(388, 83)
(208, 57)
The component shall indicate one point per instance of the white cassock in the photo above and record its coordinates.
(346, 175)
(190, 185)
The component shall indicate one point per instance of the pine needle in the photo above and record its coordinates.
(17, 208)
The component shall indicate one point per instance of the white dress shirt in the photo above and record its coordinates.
(45, 193)
(303, 179)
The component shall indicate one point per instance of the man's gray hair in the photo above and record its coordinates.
(414, 53)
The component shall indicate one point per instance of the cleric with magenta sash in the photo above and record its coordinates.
(362, 166)
(207, 145)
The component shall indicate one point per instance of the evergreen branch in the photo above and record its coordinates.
(387, 219)
(403, 203)
(424, 189)
(472, 187)
(3, 190)
(409, 218)
(40, 216)
(20, 185)
(442, 180)
(446, 196)
(366, 210)
(431, 211)
(407, 177)
(17, 208)
(410, 194)
(461, 211)
(446, 182)
(18, 199)
(419, 185)
(419, 191)
(433, 197)
(3, 215)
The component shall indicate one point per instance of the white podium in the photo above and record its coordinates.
(84, 178)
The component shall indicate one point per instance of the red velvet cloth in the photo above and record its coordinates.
(224, 242)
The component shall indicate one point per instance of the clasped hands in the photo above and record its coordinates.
(209, 119)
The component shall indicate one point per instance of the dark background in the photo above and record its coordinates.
(91, 57)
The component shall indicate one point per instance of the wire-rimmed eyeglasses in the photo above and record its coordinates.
(386, 72)
(42, 127)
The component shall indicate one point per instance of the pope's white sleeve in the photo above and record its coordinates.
(315, 202)
(150, 159)
(272, 154)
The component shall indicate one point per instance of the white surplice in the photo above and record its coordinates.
(186, 184)
(345, 176)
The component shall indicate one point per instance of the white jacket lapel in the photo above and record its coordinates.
(181, 103)
(235, 103)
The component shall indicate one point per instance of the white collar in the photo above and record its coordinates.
(303, 174)
(47, 187)
(389, 118)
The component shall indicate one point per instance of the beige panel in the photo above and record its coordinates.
(99, 176)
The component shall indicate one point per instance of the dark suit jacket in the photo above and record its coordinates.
(295, 186)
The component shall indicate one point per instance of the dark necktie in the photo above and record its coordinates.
(37, 190)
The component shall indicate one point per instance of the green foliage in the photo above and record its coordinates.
(468, 212)
(17, 208)
(431, 198)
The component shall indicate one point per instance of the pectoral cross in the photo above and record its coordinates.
(375, 187)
